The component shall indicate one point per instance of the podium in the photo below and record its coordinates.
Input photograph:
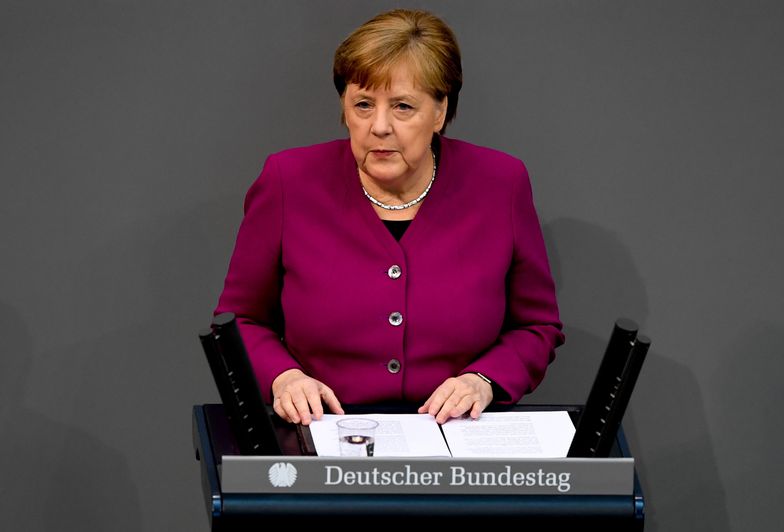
(233, 512)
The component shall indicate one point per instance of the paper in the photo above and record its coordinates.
(532, 434)
(396, 435)
(538, 434)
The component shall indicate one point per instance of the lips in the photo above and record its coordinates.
(383, 153)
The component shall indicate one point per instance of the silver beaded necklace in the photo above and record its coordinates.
(411, 203)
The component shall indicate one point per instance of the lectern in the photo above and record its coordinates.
(231, 512)
(258, 471)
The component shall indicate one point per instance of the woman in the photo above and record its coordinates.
(398, 264)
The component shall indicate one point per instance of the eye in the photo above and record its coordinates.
(402, 106)
(362, 105)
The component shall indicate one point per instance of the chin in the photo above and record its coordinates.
(383, 172)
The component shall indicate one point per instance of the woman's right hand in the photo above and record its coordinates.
(297, 398)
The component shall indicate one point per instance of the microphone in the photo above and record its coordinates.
(249, 419)
(598, 424)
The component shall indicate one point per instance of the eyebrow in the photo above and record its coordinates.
(362, 93)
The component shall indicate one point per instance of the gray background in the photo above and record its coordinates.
(130, 131)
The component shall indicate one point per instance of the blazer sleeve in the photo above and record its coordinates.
(252, 288)
(532, 329)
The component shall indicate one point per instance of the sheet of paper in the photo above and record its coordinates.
(533, 434)
(397, 435)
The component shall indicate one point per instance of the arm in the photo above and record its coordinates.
(532, 328)
(253, 283)
(252, 291)
(531, 331)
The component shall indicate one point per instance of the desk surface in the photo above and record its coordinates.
(212, 439)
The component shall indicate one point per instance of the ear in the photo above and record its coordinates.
(440, 114)
(342, 103)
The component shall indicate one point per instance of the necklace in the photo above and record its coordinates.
(411, 203)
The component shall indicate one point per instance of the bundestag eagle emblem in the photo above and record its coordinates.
(282, 474)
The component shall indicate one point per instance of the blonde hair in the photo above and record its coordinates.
(418, 38)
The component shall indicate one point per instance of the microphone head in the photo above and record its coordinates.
(223, 319)
(627, 325)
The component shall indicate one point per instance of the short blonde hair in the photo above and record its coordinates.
(418, 38)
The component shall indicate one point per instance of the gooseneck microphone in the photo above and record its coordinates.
(248, 416)
(611, 390)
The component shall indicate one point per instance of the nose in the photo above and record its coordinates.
(381, 125)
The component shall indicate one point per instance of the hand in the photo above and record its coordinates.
(458, 395)
(297, 398)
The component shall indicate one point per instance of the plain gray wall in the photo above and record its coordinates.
(130, 131)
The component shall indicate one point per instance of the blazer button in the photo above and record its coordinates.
(393, 366)
(394, 271)
(396, 318)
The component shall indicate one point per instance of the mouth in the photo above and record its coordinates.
(383, 153)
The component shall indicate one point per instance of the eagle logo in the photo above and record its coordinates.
(282, 474)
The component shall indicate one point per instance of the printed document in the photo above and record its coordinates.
(396, 435)
(539, 434)
(526, 434)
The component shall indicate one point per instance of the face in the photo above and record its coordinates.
(391, 129)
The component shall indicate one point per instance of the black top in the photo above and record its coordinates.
(397, 227)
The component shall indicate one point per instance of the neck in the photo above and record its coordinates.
(391, 195)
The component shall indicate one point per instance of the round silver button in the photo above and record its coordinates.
(394, 271)
(396, 318)
(393, 366)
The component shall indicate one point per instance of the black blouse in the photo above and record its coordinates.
(397, 227)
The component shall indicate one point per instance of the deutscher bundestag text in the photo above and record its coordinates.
(457, 476)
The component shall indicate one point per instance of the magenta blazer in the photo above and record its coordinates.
(318, 282)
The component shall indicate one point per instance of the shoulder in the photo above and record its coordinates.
(467, 152)
(301, 168)
(319, 165)
(308, 156)
(489, 163)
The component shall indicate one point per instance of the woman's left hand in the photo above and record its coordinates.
(458, 395)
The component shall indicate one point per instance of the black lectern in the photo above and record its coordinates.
(213, 439)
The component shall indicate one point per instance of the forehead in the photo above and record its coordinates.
(400, 78)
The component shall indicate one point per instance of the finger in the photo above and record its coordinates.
(439, 399)
(331, 400)
(446, 410)
(302, 408)
(426, 405)
(452, 407)
(287, 406)
(476, 410)
(314, 402)
(279, 410)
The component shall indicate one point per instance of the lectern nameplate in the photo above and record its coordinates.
(485, 476)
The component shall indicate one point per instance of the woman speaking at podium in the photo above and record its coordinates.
(398, 264)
